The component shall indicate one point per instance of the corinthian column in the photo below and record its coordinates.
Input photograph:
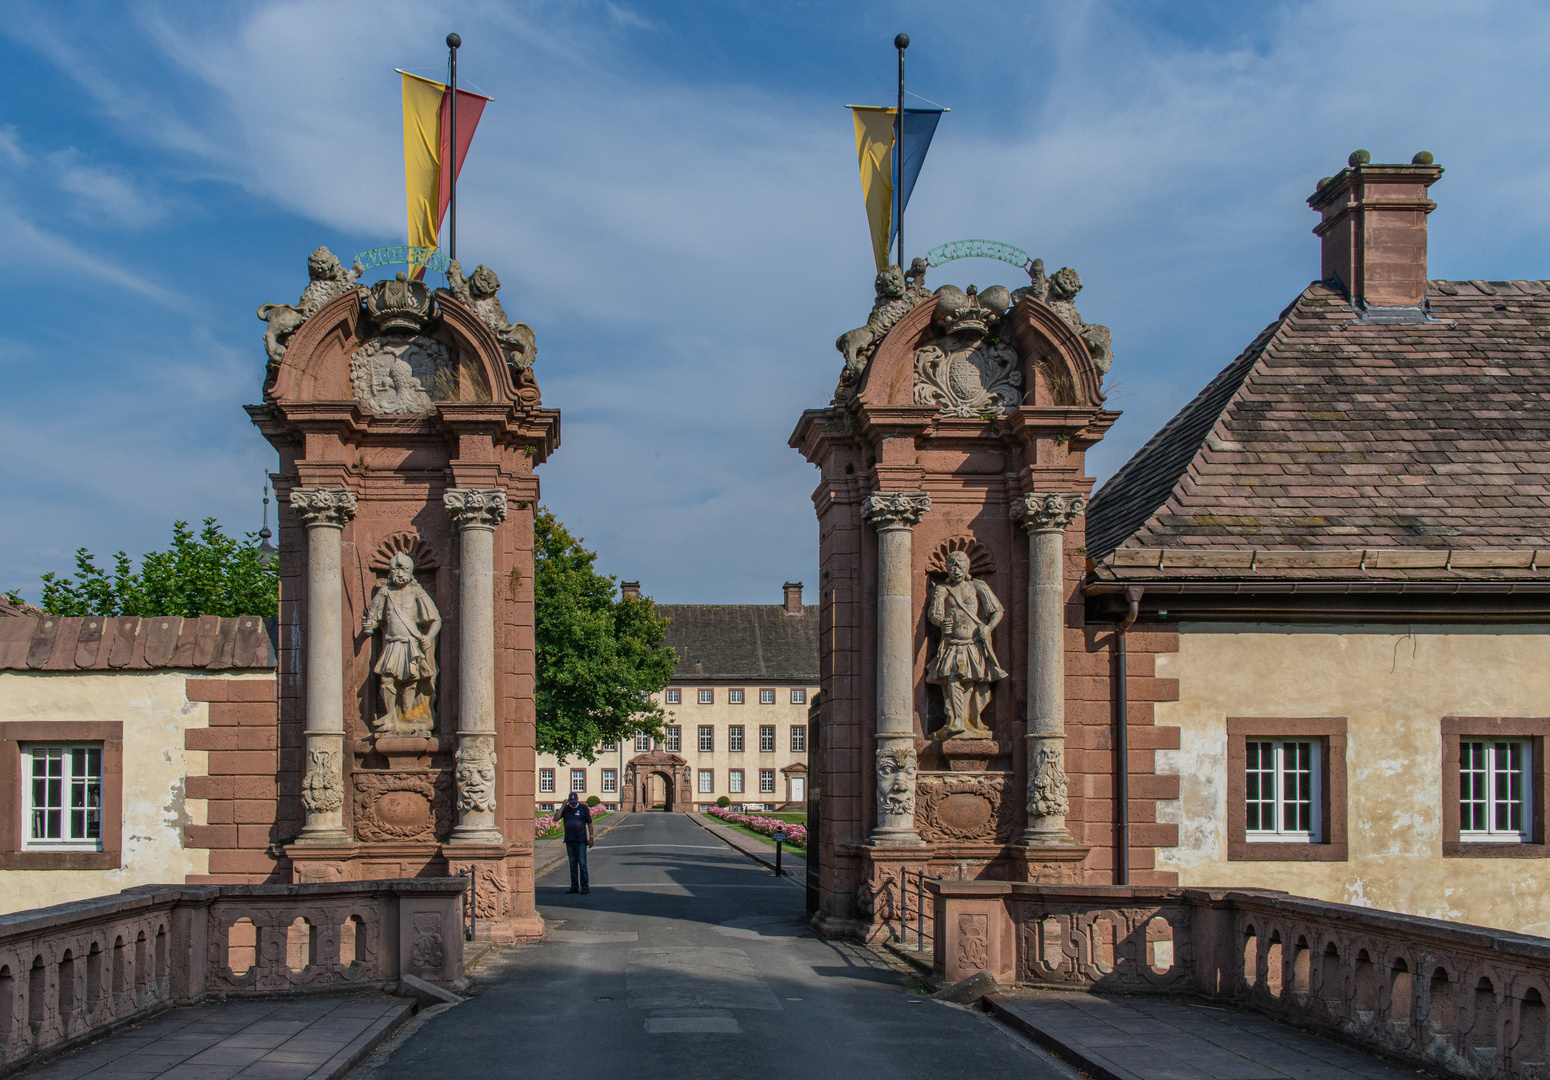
(324, 510)
(475, 513)
(893, 514)
(1046, 518)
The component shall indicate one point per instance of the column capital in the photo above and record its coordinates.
(330, 507)
(1047, 513)
(476, 508)
(895, 509)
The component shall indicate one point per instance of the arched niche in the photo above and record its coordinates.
(316, 365)
(1058, 369)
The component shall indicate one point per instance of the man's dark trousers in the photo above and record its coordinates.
(578, 864)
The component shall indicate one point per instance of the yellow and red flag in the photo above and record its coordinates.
(428, 157)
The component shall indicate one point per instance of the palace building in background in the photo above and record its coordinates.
(736, 710)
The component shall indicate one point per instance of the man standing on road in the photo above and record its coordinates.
(578, 837)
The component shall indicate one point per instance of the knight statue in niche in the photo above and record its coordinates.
(965, 665)
(406, 665)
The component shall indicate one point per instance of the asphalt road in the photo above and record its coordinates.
(688, 960)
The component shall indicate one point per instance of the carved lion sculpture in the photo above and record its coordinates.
(1059, 292)
(895, 297)
(329, 278)
(478, 292)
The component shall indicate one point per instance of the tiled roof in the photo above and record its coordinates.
(1384, 447)
(129, 643)
(743, 641)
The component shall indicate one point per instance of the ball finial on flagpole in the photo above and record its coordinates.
(901, 42)
(453, 41)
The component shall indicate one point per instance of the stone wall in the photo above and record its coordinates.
(244, 816)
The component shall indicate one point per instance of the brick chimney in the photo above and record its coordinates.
(1374, 229)
(793, 597)
(631, 589)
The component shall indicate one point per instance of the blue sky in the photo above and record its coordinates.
(669, 193)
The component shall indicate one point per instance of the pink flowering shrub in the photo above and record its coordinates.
(795, 834)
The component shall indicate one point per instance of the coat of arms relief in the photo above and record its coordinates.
(968, 370)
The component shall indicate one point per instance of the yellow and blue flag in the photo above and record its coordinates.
(874, 152)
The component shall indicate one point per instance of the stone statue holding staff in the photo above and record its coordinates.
(407, 664)
(965, 665)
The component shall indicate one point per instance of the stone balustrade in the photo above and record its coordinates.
(72, 972)
(1465, 1000)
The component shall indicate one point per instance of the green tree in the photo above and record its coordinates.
(599, 658)
(205, 574)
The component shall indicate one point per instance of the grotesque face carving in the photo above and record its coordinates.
(323, 266)
(957, 567)
(401, 569)
(896, 782)
(484, 283)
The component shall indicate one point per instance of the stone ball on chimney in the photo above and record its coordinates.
(1359, 157)
(1423, 158)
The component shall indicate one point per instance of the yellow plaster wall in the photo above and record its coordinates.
(155, 711)
(1393, 684)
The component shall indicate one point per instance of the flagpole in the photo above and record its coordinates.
(453, 42)
(901, 42)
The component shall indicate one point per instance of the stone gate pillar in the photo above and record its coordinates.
(324, 511)
(475, 514)
(1046, 518)
(894, 515)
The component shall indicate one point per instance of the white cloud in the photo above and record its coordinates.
(104, 194)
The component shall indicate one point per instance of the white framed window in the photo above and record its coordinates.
(734, 697)
(799, 697)
(735, 738)
(799, 738)
(1494, 794)
(609, 748)
(578, 779)
(707, 738)
(1281, 791)
(674, 739)
(642, 743)
(707, 697)
(63, 798)
(707, 781)
(735, 781)
(546, 781)
(766, 781)
(610, 781)
(767, 738)
(674, 695)
(766, 697)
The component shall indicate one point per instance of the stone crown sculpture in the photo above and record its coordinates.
(400, 306)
